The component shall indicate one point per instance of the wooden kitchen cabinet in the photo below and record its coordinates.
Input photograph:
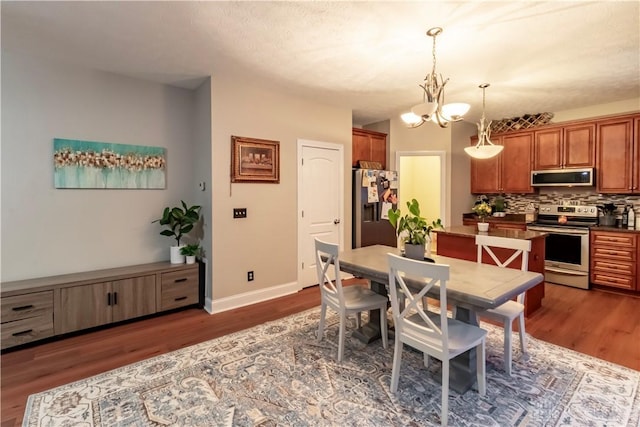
(87, 306)
(43, 307)
(618, 155)
(614, 259)
(368, 145)
(564, 147)
(508, 172)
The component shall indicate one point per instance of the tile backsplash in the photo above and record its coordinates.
(517, 203)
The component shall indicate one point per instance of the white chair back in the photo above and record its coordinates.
(521, 248)
(417, 327)
(330, 289)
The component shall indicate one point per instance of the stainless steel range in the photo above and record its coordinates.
(567, 244)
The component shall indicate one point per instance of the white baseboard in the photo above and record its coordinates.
(247, 298)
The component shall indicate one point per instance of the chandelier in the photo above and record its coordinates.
(484, 149)
(432, 107)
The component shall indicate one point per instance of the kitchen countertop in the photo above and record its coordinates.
(469, 231)
(515, 218)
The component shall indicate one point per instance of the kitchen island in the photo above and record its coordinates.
(459, 242)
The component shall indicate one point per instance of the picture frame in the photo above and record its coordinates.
(255, 160)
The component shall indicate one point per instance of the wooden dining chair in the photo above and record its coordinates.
(433, 333)
(345, 300)
(510, 310)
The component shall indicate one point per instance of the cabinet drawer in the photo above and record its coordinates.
(609, 267)
(614, 253)
(27, 330)
(177, 277)
(28, 305)
(179, 289)
(623, 282)
(619, 240)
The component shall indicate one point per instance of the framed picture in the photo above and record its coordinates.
(255, 160)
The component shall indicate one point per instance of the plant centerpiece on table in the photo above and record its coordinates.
(483, 210)
(190, 252)
(178, 221)
(413, 229)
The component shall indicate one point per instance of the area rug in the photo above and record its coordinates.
(277, 374)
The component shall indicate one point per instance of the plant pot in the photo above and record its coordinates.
(191, 259)
(176, 257)
(414, 251)
(483, 226)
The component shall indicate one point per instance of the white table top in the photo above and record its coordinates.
(471, 285)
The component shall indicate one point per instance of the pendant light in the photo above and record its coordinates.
(432, 107)
(484, 149)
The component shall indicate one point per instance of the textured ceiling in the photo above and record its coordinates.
(369, 56)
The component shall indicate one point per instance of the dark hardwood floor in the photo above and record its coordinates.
(604, 325)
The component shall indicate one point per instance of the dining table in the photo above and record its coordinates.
(472, 288)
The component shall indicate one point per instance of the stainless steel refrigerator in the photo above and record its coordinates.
(374, 193)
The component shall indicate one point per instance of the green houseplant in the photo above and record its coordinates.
(191, 252)
(413, 229)
(177, 222)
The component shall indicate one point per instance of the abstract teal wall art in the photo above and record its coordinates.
(88, 164)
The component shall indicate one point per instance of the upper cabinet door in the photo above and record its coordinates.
(368, 145)
(614, 156)
(579, 146)
(547, 148)
(517, 158)
(564, 147)
(485, 174)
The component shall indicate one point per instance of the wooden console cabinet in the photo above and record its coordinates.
(39, 308)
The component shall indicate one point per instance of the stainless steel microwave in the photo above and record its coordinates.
(571, 177)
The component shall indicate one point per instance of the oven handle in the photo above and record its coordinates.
(558, 230)
(566, 272)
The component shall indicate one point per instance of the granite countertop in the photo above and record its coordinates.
(471, 231)
(515, 218)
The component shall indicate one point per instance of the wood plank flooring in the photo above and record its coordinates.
(604, 325)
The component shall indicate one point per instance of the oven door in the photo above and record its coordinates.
(566, 255)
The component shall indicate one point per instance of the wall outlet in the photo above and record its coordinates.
(249, 276)
(239, 212)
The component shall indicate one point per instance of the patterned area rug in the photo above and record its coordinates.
(277, 374)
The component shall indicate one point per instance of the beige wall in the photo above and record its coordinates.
(620, 107)
(266, 241)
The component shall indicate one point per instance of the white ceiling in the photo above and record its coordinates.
(370, 56)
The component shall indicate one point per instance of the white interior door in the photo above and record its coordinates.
(320, 202)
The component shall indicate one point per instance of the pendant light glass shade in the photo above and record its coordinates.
(432, 107)
(484, 149)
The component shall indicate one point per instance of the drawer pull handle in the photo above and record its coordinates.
(18, 334)
(184, 279)
(180, 298)
(22, 307)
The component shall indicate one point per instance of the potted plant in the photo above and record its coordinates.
(483, 210)
(190, 252)
(413, 229)
(178, 221)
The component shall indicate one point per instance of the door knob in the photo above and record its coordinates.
(336, 221)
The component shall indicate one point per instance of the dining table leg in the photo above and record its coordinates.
(370, 331)
(463, 368)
